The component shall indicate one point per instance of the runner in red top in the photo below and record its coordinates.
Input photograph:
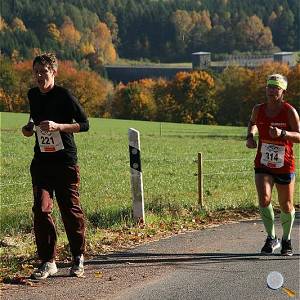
(275, 155)
(278, 127)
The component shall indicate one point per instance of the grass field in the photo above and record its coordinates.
(169, 152)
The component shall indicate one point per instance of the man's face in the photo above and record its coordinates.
(44, 76)
(274, 92)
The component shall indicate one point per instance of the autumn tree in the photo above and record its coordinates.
(167, 107)
(54, 32)
(201, 26)
(260, 75)
(17, 24)
(25, 82)
(253, 35)
(293, 91)
(15, 80)
(69, 35)
(97, 46)
(111, 22)
(239, 89)
(8, 83)
(135, 101)
(91, 89)
(194, 95)
(233, 90)
(182, 23)
(3, 24)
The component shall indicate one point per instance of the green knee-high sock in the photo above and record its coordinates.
(287, 221)
(267, 215)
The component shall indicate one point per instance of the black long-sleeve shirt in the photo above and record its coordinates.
(57, 105)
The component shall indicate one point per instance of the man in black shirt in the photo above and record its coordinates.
(56, 115)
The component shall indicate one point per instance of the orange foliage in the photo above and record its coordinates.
(188, 98)
(194, 92)
(68, 33)
(3, 24)
(191, 97)
(234, 96)
(87, 48)
(135, 101)
(293, 90)
(100, 40)
(166, 104)
(24, 81)
(258, 80)
(202, 18)
(90, 89)
(243, 88)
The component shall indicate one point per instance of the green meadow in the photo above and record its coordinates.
(169, 164)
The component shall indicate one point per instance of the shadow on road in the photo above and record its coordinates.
(204, 258)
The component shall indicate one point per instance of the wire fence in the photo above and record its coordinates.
(199, 174)
(13, 183)
(197, 130)
(226, 173)
(14, 204)
(24, 183)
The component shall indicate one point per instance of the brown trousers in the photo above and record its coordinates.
(63, 181)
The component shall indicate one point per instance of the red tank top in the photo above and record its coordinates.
(274, 154)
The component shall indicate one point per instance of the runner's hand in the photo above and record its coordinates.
(49, 126)
(274, 132)
(251, 143)
(27, 130)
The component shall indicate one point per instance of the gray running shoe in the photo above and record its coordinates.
(77, 269)
(45, 270)
(270, 245)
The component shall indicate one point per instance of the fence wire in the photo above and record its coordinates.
(204, 174)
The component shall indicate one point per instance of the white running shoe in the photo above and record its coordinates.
(45, 270)
(77, 269)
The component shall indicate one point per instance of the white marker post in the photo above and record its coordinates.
(136, 177)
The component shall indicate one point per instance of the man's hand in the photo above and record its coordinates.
(49, 126)
(27, 130)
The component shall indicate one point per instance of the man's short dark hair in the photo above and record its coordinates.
(47, 59)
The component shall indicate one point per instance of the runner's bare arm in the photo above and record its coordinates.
(252, 129)
(293, 135)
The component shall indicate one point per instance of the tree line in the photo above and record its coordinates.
(199, 97)
(96, 32)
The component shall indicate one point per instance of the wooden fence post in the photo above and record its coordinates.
(136, 177)
(200, 180)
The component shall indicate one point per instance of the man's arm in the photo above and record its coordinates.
(52, 126)
(81, 122)
(79, 115)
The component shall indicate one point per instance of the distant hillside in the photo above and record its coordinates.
(94, 32)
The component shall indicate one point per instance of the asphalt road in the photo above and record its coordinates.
(216, 263)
